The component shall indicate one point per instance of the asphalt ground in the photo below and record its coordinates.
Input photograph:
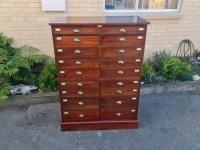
(166, 122)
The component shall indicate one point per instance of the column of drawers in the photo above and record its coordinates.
(77, 59)
(121, 55)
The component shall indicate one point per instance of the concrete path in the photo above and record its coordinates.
(167, 122)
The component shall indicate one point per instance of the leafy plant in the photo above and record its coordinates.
(186, 76)
(48, 78)
(16, 64)
(147, 72)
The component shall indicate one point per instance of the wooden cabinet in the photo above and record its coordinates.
(99, 66)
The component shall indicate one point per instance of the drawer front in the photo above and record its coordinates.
(119, 92)
(120, 83)
(121, 52)
(81, 52)
(78, 84)
(117, 102)
(79, 104)
(118, 114)
(77, 63)
(78, 74)
(120, 73)
(123, 30)
(84, 115)
(62, 41)
(79, 93)
(76, 30)
(121, 63)
(122, 41)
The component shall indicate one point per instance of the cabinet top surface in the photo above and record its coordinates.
(94, 20)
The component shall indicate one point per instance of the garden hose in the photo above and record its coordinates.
(185, 50)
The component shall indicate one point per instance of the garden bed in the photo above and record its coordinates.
(31, 99)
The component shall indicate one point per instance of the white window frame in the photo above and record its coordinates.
(144, 10)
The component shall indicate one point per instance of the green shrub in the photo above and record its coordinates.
(48, 78)
(147, 72)
(186, 76)
(16, 64)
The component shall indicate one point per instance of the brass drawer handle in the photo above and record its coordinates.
(80, 93)
(76, 30)
(64, 92)
(122, 39)
(119, 91)
(77, 40)
(120, 72)
(77, 51)
(121, 51)
(121, 62)
(63, 83)
(118, 114)
(58, 38)
(119, 102)
(78, 62)
(80, 103)
(62, 72)
(133, 110)
(66, 113)
(134, 98)
(79, 73)
(65, 100)
(61, 61)
(81, 115)
(57, 29)
(80, 84)
(60, 50)
(122, 30)
(120, 83)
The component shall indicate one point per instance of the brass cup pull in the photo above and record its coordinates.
(122, 39)
(80, 103)
(119, 92)
(118, 102)
(121, 51)
(81, 115)
(121, 62)
(76, 30)
(66, 113)
(120, 72)
(118, 114)
(80, 84)
(77, 40)
(80, 93)
(78, 62)
(120, 83)
(77, 51)
(122, 30)
(79, 73)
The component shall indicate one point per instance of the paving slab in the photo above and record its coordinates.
(166, 122)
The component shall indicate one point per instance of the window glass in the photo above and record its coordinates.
(120, 4)
(158, 4)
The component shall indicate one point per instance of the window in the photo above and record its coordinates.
(141, 5)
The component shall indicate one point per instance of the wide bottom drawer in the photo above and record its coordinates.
(118, 114)
(84, 115)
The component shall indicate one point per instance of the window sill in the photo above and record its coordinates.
(148, 15)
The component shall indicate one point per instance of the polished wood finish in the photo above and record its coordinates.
(99, 66)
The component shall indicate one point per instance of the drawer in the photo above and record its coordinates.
(119, 92)
(62, 41)
(78, 84)
(117, 102)
(77, 63)
(78, 74)
(81, 52)
(79, 104)
(123, 30)
(79, 93)
(118, 114)
(121, 51)
(84, 115)
(120, 83)
(75, 30)
(121, 63)
(125, 41)
(116, 73)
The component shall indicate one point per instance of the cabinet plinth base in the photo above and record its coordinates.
(99, 125)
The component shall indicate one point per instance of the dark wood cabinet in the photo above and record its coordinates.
(99, 66)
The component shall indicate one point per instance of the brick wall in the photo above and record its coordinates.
(25, 21)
